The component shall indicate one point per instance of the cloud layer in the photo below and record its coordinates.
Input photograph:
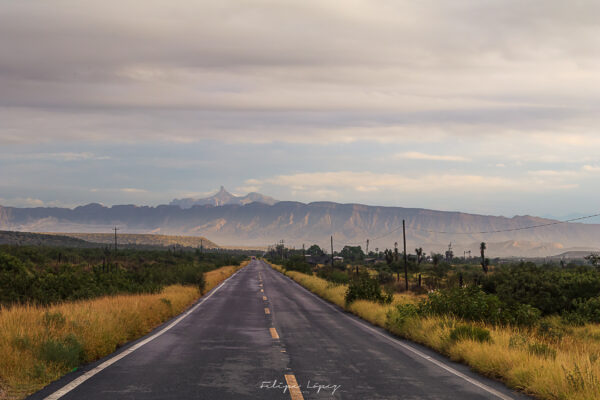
(376, 101)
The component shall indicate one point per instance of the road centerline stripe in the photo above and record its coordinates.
(265, 298)
(274, 333)
(267, 311)
(294, 389)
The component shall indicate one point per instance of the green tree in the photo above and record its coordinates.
(352, 253)
(315, 250)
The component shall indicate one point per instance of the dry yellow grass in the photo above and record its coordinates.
(573, 373)
(213, 278)
(100, 326)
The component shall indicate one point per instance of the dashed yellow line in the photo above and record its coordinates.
(274, 333)
(295, 392)
(267, 311)
(262, 290)
(265, 298)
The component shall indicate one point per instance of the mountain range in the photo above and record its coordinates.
(262, 223)
(223, 197)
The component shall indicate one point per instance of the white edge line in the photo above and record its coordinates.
(78, 381)
(408, 347)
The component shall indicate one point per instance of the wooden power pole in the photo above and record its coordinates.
(405, 255)
(331, 251)
(116, 229)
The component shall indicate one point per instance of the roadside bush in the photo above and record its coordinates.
(542, 350)
(471, 303)
(402, 313)
(583, 311)
(552, 290)
(297, 263)
(67, 352)
(43, 276)
(385, 277)
(333, 275)
(470, 332)
(363, 287)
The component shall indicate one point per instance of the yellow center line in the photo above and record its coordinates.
(295, 392)
(265, 298)
(274, 333)
(262, 290)
(267, 311)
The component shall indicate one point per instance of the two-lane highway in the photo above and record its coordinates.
(262, 336)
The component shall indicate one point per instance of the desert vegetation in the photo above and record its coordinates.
(62, 308)
(533, 326)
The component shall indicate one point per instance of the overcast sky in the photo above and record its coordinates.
(478, 106)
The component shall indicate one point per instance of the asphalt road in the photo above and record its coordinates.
(259, 334)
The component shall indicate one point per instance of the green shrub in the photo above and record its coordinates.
(68, 351)
(333, 275)
(297, 263)
(542, 350)
(470, 332)
(363, 287)
(550, 330)
(472, 304)
(551, 290)
(402, 313)
(35, 275)
(54, 319)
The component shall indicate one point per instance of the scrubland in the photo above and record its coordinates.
(39, 344)
(549, 359)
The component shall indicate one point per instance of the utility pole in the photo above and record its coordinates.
(303, 251)
(405, 256)
(367, 247)
(331, 251)
(116, 229)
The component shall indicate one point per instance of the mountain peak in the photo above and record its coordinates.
(223, 197)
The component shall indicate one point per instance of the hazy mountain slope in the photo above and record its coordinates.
(143, 239)
(297, 223)
(39, 239)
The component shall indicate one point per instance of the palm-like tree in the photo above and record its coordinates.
(484, 262)
(419, 253)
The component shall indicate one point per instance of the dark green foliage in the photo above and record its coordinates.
(550, 331)
(541, 350)
(333, 275)
(68, 351)
(33, 274)
(472, 304)
(470, 332)
(297, 263)
(552, 290)
(363, 287)
(352, 254)
(401, 314)
(315, 250)
(583, 311)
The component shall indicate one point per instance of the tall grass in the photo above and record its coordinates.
(551, 361)
(40, 344)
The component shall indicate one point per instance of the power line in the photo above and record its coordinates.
(481, 232)
(510, 229)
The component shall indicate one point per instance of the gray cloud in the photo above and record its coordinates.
(506, 83)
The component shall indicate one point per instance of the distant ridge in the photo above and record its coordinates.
(223, 197)
(259, 224)
(90, 240)
(143, 239)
